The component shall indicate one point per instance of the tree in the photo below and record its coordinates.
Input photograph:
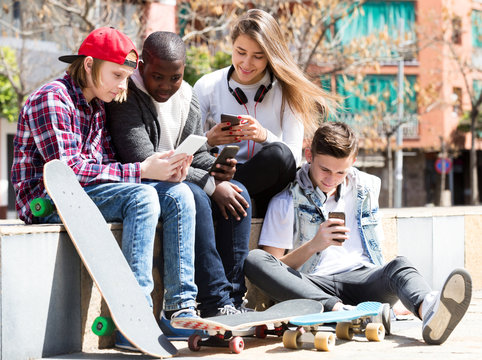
(464, 68)
(39, 31)
(307, 26)
(323, 41)
(8, 98)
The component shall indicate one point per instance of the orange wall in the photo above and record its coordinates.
(438, 69)
(160, 16)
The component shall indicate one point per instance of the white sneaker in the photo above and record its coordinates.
(227, 309)
(442, 311)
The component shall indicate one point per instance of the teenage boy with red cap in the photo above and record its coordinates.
(65, 119)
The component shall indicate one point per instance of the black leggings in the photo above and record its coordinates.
(266, 174)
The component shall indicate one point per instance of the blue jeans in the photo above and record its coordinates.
(220, 253)
(140, 207)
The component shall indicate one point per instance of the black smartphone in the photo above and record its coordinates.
(337, 215)
(233, 119)
(228, 152)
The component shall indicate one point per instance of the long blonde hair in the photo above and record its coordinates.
(303, 97)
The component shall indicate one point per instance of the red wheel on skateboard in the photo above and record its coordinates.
(260, 331)
(193, 342)
(236, 344)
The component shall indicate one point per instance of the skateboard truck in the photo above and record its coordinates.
(262, 331)
(234, 343)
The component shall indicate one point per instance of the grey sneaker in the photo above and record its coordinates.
(243, 308)
(227, 309)
(443, 311)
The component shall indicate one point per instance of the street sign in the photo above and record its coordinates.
(443, 165)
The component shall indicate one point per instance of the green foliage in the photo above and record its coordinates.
(8, 97)
(200, 62)
(465, 122)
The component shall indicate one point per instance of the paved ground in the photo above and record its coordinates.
(404, 343)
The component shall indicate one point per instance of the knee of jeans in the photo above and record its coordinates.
(400, 263)
(200, 196)
(184, 196)
(148, 198)
(254, 260)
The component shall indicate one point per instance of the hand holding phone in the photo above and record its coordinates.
(228, 152)
(229, 118)
(190, 145)
(337, 215)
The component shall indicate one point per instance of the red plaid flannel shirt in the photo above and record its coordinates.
(56, 122)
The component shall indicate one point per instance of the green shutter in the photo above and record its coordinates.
(365, 96)
(325, 82)
(477, 88)
(376, 17)
(476, 18)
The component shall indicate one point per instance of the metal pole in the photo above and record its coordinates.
(397, 199)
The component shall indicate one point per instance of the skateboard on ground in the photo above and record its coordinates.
(348, 322)
(105, 262)
(222, 328)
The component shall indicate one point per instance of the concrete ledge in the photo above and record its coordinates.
(48, 301)
(436, 239)
(47, 298)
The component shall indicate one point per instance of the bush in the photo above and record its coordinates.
(8, 97)
(200, 62)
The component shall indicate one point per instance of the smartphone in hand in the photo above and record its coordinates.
(337, 215)
(228, 152)
(190, 145)
(233, 119)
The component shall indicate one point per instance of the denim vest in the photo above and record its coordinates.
(310, 213)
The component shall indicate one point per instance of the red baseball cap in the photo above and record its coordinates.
(106, 43)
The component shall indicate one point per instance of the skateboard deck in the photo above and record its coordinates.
(278, 315)
(105, 262)
(348, 323)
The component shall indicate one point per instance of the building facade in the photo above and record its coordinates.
(434, 107)
(441, 38)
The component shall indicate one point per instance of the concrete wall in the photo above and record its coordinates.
(436, 240)
(48, 301)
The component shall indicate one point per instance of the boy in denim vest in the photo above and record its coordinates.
(306, 254)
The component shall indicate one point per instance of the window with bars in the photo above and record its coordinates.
(374, 90)
(457, 30)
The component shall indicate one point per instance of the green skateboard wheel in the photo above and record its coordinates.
(103, 326)
(41, 207)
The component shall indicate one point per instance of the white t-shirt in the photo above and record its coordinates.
(215, 99)
(171, 114)
(278, 228)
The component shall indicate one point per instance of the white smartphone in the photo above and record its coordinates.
(190, 144)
